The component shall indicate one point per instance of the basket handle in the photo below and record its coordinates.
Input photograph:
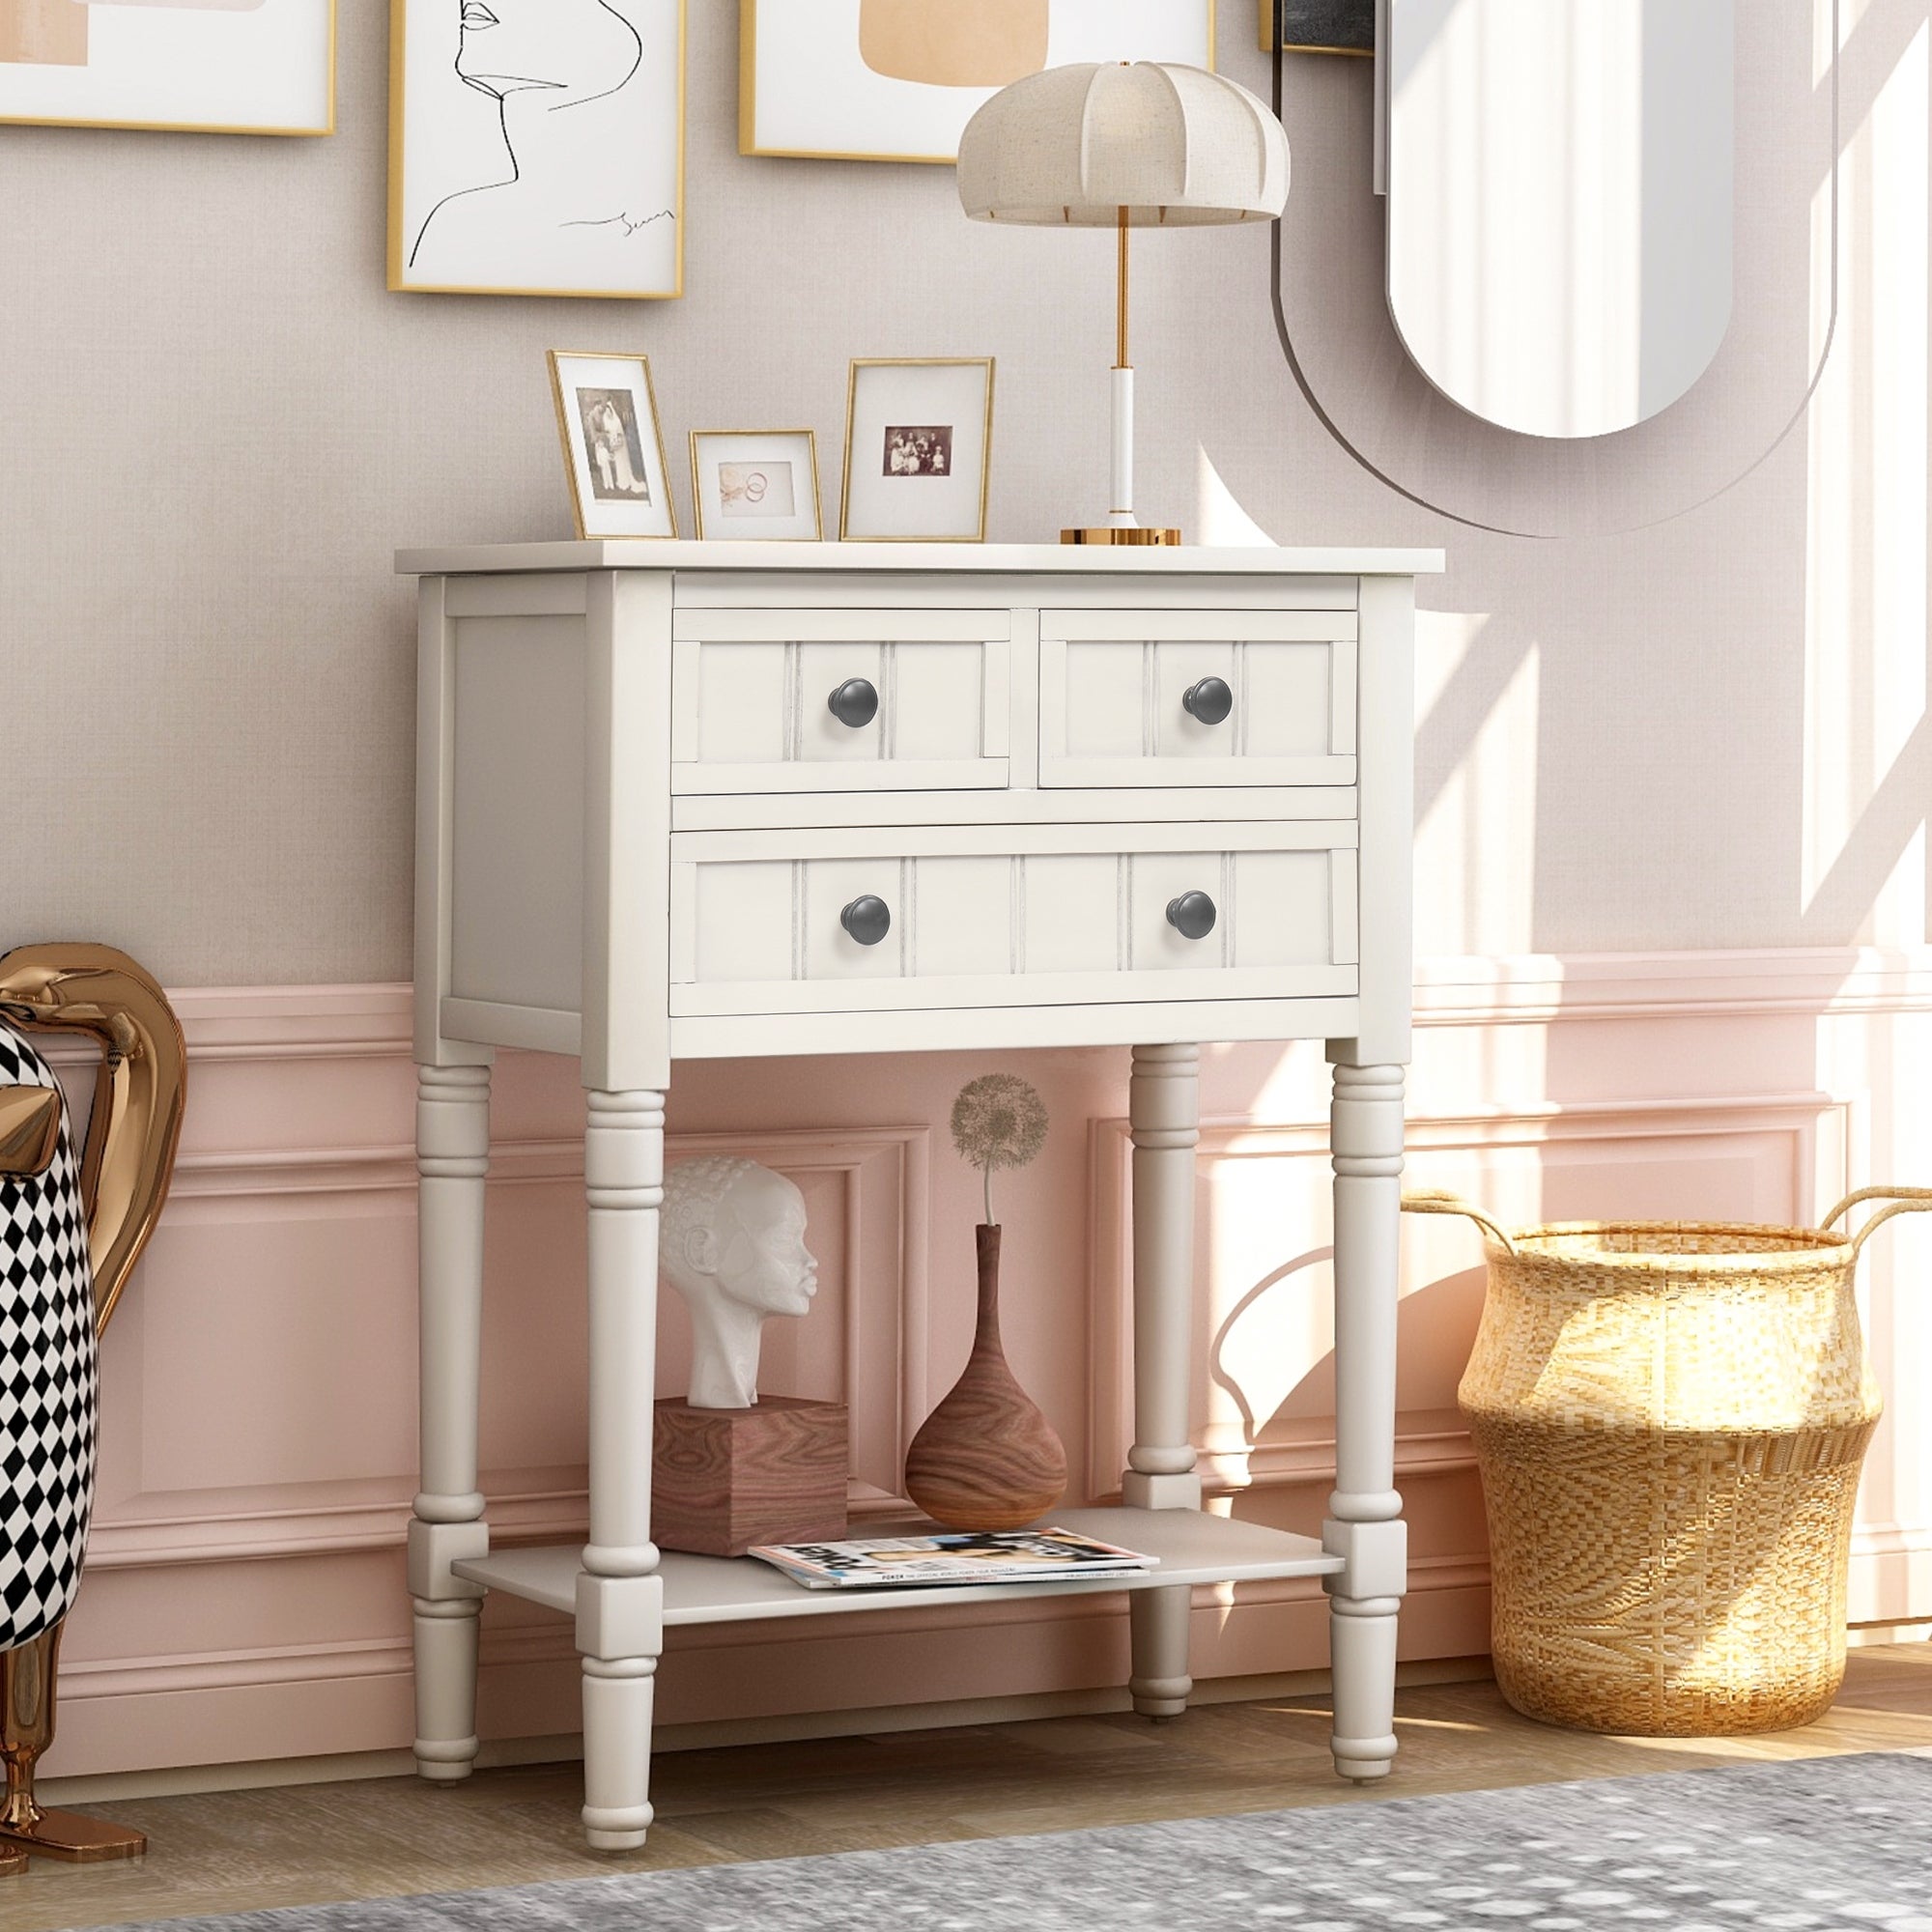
(1440, 1201)
(1903, 1200)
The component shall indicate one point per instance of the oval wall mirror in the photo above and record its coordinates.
(1559, 179)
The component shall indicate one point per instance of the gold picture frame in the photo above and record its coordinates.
(749, 138)
(914, 417)
(625, 452)
(1266, 10)
(24, 56)
(757, 517)
(404, 208)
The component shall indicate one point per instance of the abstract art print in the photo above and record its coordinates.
(917, 438)
(755, 485)
(896, 80)
(219, 67)
(536, 147)
(606, 420)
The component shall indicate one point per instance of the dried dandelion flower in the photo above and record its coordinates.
(998, 1120)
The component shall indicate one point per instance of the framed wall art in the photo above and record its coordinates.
(919, 441)
(537, 149)
(756, 485)
(896, 80)
(1320, 26)
(606, 420)
(218, 67)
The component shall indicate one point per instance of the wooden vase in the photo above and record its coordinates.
(986, 1457)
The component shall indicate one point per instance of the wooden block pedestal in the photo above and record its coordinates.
(723, 1479)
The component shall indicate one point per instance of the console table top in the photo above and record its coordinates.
(926, 558)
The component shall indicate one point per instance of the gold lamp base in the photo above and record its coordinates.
(71, 1837)
(1106, 533)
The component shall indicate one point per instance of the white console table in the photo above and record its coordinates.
(683, 800)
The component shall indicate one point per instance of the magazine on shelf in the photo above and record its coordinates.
(952, 1557)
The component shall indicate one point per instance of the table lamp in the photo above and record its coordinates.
(1137, 145)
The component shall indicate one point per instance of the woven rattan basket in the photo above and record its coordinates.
(1670, 1418)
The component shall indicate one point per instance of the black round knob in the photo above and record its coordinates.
(855, 702)
(869, 919)
(1211, 700)
(1192, 914)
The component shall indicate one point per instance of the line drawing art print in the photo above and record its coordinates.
(536, 147)
(219, 67)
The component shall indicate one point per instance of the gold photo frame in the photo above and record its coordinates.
(619, 478)
(761, 485)
(919, 449)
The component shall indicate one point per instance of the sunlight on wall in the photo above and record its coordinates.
(1865, 618)
(1475, 849)
(1218, 516)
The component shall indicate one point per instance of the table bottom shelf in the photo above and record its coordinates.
(1192, 1548)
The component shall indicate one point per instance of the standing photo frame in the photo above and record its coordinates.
(197, 66)
(538, 151)
(606, 420)
(918, 443)
(896, 80)
(758, 485)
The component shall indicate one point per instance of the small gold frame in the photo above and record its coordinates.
(556, 355)
(697, 484)
(985, 362)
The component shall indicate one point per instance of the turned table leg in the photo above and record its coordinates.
(1365, 1525)
(1164, 1116)
(620, 1595)
(452, 1161)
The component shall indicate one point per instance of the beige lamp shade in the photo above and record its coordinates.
(1174, 146)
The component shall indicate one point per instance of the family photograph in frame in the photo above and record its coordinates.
(919, 438)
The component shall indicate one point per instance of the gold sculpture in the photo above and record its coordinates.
(124, 1169)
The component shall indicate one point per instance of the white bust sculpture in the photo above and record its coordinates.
(732, 1243)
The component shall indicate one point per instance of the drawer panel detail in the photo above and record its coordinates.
(1197, 697)
(825, 922)
(839, 700)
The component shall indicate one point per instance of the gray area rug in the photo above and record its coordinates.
(1832, 1843)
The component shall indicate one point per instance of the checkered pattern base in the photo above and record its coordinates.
(47, 1378)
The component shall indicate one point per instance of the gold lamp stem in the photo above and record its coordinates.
(1120, 353)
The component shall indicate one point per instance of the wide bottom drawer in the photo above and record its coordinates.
(832, 921)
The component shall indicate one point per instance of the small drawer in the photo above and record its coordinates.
(968, 915)
(839, 700)
(1197, 697)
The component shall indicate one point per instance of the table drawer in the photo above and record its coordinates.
(922, 700)
(1197, 697)
(972, 916)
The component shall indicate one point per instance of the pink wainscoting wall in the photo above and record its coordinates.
(245, 1596)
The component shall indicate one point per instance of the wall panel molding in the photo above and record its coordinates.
(245, 1596)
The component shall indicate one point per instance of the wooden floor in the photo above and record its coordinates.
(239, 1851)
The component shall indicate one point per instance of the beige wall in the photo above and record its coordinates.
(217, 425)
